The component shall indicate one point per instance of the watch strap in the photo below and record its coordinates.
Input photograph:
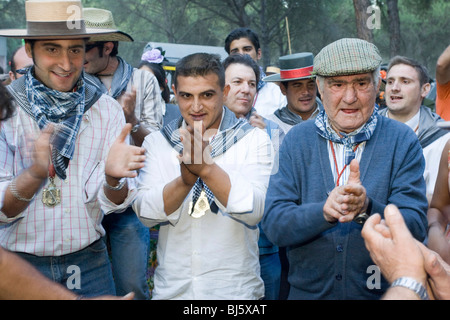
(413, 285)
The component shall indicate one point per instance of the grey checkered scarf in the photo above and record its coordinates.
(230, 132)
(120, 80)
(348, 140)
(65, 109)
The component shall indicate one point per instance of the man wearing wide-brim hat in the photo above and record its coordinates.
(139, 94)
(299, 86)
(50, 213)
(336, 171)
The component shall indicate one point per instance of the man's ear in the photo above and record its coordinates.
(174, 90)
(226, 90)
(28, 50)
(108, 47)
(425, 90)
(258, 54)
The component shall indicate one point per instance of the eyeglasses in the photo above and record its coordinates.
(93, 45)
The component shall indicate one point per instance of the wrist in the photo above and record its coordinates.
(113, 183)
(418, 287)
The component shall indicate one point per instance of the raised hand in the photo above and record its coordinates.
(196, 149)
(347, 201)
(42, 153)
(123, 159)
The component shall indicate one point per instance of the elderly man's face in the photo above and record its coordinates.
(348, 100)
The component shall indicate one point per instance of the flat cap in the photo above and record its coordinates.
(346, 57)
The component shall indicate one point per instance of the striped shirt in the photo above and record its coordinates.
(339, 151)
(76, 222)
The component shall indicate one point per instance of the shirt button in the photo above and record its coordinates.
(339, 277)
(339, 248)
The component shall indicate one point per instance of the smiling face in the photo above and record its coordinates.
(349, 101)
(58, 64)
(200, 98)
(241, 82)
(301, 96)
(404, 94)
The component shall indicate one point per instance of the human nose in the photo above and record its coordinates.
(196, 105)
(394, 86)
(64, 61)
(350, 94)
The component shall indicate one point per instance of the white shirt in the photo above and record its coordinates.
(76, 222)
(215, 256)
(432, 154)
(268, 99)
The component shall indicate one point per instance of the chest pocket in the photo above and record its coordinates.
(93, 183)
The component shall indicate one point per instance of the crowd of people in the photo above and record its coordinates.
(291, 185)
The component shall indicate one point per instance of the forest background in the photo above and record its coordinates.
(419, 29)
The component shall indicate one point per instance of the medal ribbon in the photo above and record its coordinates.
(348, 160)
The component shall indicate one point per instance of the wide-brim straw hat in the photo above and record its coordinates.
(50, 19)
(103, 19)
(295, 66)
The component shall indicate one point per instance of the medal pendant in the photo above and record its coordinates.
(51, 196)
(201, 206)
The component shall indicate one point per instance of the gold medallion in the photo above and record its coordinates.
(201, 206)
(51, 196)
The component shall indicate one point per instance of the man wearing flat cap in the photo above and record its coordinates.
(50, 213)
(349, 163)
(298, 84)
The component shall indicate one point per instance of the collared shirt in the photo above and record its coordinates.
(76, 222)
(339, 152)
(285, 126)
(150, 107)
(431, 153)
(269, 99)
(215, 256)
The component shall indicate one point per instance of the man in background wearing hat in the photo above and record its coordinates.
(349, 163)
(129, 239)
(298, 85)
(50, 215)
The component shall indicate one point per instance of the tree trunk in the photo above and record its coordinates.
(394, 27)
(362, 16)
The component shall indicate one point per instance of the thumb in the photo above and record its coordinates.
(395, 222)
(126, 130)
(354, 172)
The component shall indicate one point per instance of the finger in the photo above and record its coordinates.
(384, 230)
(369, 233)
(126, 130)
(128, 296)
(354, 189)
(395, 222)
(354, 172)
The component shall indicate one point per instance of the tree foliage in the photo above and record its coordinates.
(423, 33)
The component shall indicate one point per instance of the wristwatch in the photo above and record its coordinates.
(136, 127)
(413, 285)
(118, 187)
(363, 216)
